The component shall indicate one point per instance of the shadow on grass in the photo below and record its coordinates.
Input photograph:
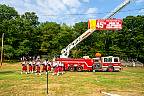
(11, 61)
(6, 72)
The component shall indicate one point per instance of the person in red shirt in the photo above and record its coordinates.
(45, 66)
(33, 66)
(58, 70)
(24, 67)
(30, 67)
(38, 62)
(55, 66)
(49, 66)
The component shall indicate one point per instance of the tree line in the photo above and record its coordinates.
(26, 36)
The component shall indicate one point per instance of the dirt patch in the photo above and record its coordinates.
(126, 93)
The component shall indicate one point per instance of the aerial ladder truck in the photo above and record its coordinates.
(66, 51)
(103, 64)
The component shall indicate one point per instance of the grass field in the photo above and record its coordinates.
(128, 82)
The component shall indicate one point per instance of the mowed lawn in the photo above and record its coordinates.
(128, 82)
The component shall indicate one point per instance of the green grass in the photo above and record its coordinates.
(128, 82)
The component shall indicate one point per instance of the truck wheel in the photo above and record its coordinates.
(94, 67)
(79, 68)
(71, 68)
(110, 69)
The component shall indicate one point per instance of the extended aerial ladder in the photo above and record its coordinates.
(65, 52)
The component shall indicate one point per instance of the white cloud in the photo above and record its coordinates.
(41, 3)
(12, 3)
(28, 1)
(141, 11)
(17, 4)
(44, 8)
(29, 7)
(139, 1)
(72, 3)
(85, 1)
(91, 12)
(50, 7)
(57, 7)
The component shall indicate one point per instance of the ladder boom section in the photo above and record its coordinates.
(117, 9)
(65, 51)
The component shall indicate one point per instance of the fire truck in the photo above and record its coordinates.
(100, 64)
(109, 63)
(66, 51)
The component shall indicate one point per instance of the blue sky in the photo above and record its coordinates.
(58, 10)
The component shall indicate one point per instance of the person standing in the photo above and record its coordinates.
(55, 67)
(30, 67)
(45, 63)
(38, 62)
(49, 66)
(34, 66)
(24, 67)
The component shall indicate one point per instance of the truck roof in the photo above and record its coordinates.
(73, 59)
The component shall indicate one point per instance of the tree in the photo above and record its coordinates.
(7, 13)
(25, 35)
(8, 52)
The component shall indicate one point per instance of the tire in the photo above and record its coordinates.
(93, 67)
(96, 66)
(79, 68)
(71, 68)
(110, 69)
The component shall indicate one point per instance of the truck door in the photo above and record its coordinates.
(97, 65)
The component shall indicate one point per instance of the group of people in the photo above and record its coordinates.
(39, 67)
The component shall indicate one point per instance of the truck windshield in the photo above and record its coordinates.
(107, 59)
(115, 59)
(96, 60)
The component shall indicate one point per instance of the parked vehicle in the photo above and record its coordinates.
(109, 63)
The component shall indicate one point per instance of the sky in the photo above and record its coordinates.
(73, 11)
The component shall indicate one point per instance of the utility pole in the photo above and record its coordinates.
(47, 81)
(2, 49)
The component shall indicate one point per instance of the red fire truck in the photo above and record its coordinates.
(101, 64)
(96, 64)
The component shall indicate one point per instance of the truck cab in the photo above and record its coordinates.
(97, 66)
(108, 63)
